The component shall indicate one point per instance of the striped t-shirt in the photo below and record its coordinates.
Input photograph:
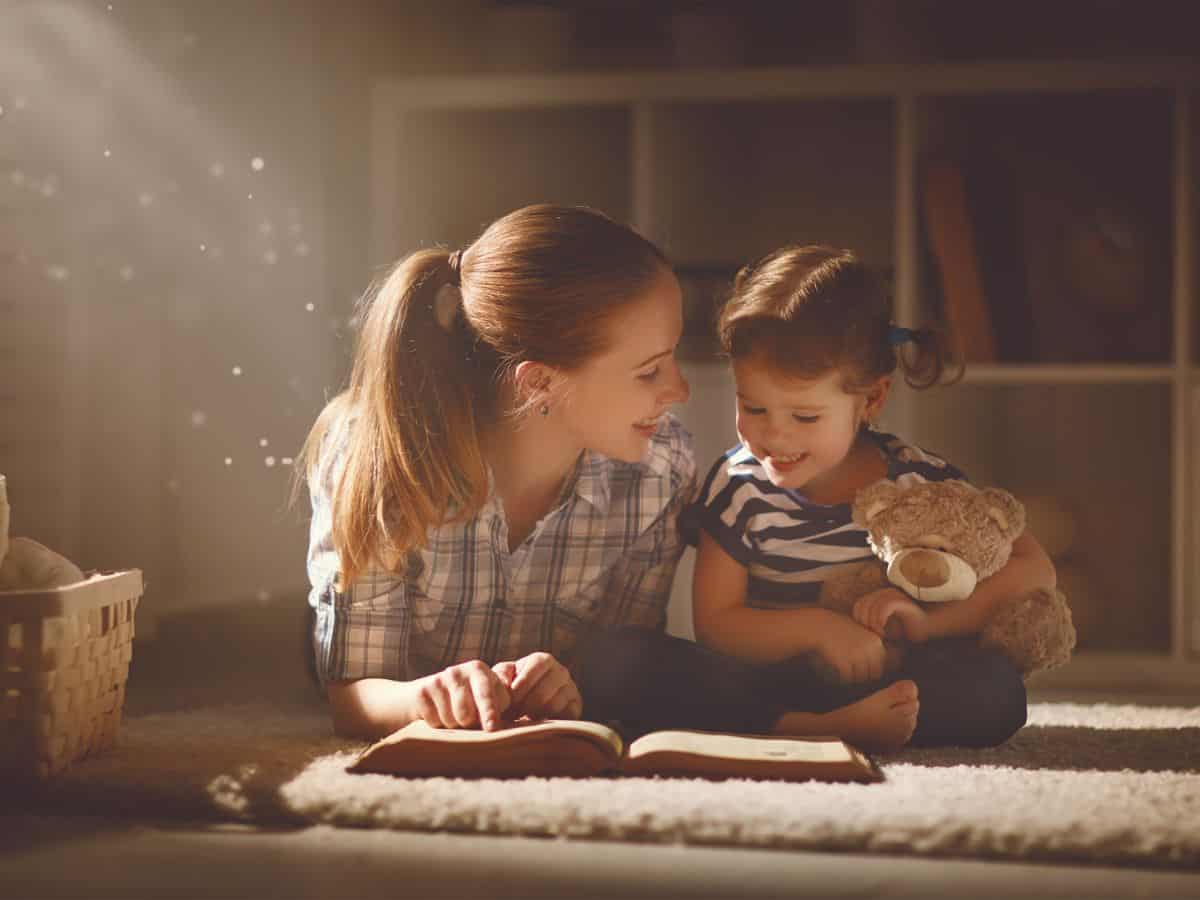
(788, 544)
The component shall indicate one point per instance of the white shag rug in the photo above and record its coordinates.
(1117, 784)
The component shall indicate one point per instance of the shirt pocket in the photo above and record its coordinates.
(586, 603)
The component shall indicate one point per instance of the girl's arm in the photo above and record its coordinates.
(723, 622)
(1027, 569)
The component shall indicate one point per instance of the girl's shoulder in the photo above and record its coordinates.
(905, 460)
(734, 469)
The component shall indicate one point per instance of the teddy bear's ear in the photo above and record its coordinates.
(873, 499)
(1005, 509)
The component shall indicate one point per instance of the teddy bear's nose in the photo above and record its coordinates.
(925, 568)
(931, 575)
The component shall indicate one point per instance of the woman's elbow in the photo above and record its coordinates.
(351, 715)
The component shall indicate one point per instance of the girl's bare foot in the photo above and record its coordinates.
(882, 722)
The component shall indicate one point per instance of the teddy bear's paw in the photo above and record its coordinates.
(1034, 631)
(840, 591)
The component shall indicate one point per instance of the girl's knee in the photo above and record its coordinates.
(1001, 702)
(980, 702)
(1005, 692)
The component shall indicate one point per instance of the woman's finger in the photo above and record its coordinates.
(530, 670)
(490, 695)
(440, 698)
(575, 707)
(462, 702)
(558, 705)
(506, 671)
(427, 708)
(538, 698)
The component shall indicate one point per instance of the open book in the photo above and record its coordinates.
(567, 747)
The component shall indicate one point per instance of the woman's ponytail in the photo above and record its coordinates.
(414, 461)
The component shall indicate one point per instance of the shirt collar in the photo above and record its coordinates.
(594, 472)
(593, 479)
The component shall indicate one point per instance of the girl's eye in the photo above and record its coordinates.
(649, 376)
(753, 410)
(807, 420)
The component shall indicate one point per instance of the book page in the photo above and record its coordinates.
(729, 746)
(421, 730)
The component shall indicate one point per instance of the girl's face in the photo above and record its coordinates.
(613, 401)
(801, 430)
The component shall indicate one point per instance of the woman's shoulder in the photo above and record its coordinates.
(333, 434)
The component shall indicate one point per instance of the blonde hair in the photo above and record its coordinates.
(542, 284)
(809, 310)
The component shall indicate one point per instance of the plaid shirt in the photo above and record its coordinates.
(606, 555)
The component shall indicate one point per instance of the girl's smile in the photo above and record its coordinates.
(801, 430)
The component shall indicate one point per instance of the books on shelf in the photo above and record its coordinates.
(953, 241)
(577, 748)
(1035, 264)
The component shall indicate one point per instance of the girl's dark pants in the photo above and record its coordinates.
(648, 680)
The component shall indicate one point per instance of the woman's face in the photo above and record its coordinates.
(613, 401)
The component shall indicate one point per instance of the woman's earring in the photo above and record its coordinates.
(544, 409)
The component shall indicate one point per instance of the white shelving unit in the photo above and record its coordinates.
(720, 165)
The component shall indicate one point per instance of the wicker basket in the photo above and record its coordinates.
(64, 660)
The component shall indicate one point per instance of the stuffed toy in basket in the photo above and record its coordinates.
(66, 640)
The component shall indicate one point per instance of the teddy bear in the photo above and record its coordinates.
(935, 540)
(27, 565)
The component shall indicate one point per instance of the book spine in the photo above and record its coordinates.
(952, 239)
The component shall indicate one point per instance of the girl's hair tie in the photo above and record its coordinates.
(898, 335)
(447, 304)
(455, 264)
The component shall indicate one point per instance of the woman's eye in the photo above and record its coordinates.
(807, 420)
(649, 376)
(754, 410)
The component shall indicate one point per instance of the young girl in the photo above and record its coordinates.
(501, 479)
(813, 351)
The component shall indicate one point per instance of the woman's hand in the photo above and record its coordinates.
(853, 652)
(463, 696)
(540, 687)
(888, 611)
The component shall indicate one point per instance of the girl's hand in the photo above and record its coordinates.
(888, 611)
(541, 688)
(463, 696)
(853, 652)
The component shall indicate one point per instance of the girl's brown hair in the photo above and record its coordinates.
(809, 310)
(542, 284)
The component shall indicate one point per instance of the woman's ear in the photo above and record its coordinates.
(535, 382)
